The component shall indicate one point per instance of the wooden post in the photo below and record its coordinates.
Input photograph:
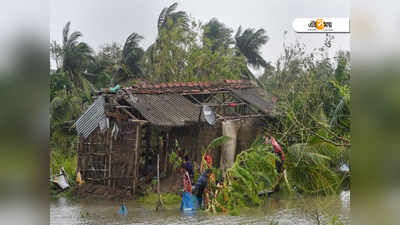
(137, 147)
(160, 204)
(105, 173)
(166, 149)
(158, 173)
(81, 141)
(109, 160)
(196, 147)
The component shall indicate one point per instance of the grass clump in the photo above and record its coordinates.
(167, 198)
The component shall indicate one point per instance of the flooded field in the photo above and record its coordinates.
(306, 210)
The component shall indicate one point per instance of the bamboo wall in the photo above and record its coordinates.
(111, 160)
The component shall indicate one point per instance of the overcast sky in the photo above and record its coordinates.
(112, 21)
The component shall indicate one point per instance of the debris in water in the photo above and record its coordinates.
(123, 211)
(344, 168)
(61, 180)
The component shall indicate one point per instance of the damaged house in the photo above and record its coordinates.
(122, 132)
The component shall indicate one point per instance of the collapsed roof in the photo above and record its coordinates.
(180, 103)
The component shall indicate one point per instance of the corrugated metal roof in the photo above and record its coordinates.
(89, 121)
(165, 110)
(258, 98)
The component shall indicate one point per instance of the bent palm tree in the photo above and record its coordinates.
(218, 34)
(179, 18)
(132, 53)
(248, 44)
(76, 56)
(168, 19)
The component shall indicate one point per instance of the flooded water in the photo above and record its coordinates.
(285, 211)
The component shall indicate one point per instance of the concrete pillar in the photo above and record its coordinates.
(230, 128)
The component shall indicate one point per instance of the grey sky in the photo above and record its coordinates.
(108, 21)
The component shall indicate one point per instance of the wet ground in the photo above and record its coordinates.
(306, 210)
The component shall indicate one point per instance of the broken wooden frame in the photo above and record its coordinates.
(117, 160)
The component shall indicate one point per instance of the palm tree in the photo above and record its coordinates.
(248, 44)
(168, 19)
(76, 56)
(179, 18)
(218, 34)
(132, 54)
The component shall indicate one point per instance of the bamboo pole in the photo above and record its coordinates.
(166, 149)
(159, 203)
(196, 147)
(105, 172)
(158, 174)
(109, 160)
(136, 168)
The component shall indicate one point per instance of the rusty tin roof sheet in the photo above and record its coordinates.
(258, 98)
(166, 109)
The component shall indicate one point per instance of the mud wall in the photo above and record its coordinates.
(195, 138)
(248, 131)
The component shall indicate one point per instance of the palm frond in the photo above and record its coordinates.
(249, 43)
(179, 17)
(218, 142)
(66, 32)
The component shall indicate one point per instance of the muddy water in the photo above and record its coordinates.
(284, 211)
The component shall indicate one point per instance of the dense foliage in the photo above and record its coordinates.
(312, 126)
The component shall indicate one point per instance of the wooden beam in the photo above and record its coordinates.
(204, 92)
(142, 122)
(240, 117)
(220, 105)
(123, 109)
(195, 99)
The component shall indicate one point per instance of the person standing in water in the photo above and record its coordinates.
(188, 202)
(201, 185)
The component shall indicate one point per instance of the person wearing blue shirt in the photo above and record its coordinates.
(200, 185)
(189, 168)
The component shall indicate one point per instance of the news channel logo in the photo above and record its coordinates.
(321, 25)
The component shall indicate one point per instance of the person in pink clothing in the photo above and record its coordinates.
(279, 164)
(278, 151)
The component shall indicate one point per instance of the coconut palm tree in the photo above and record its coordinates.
(168, 19)
(132, 53)
(248, 44)
(177, 18)
(218, 34)
(75, 54)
